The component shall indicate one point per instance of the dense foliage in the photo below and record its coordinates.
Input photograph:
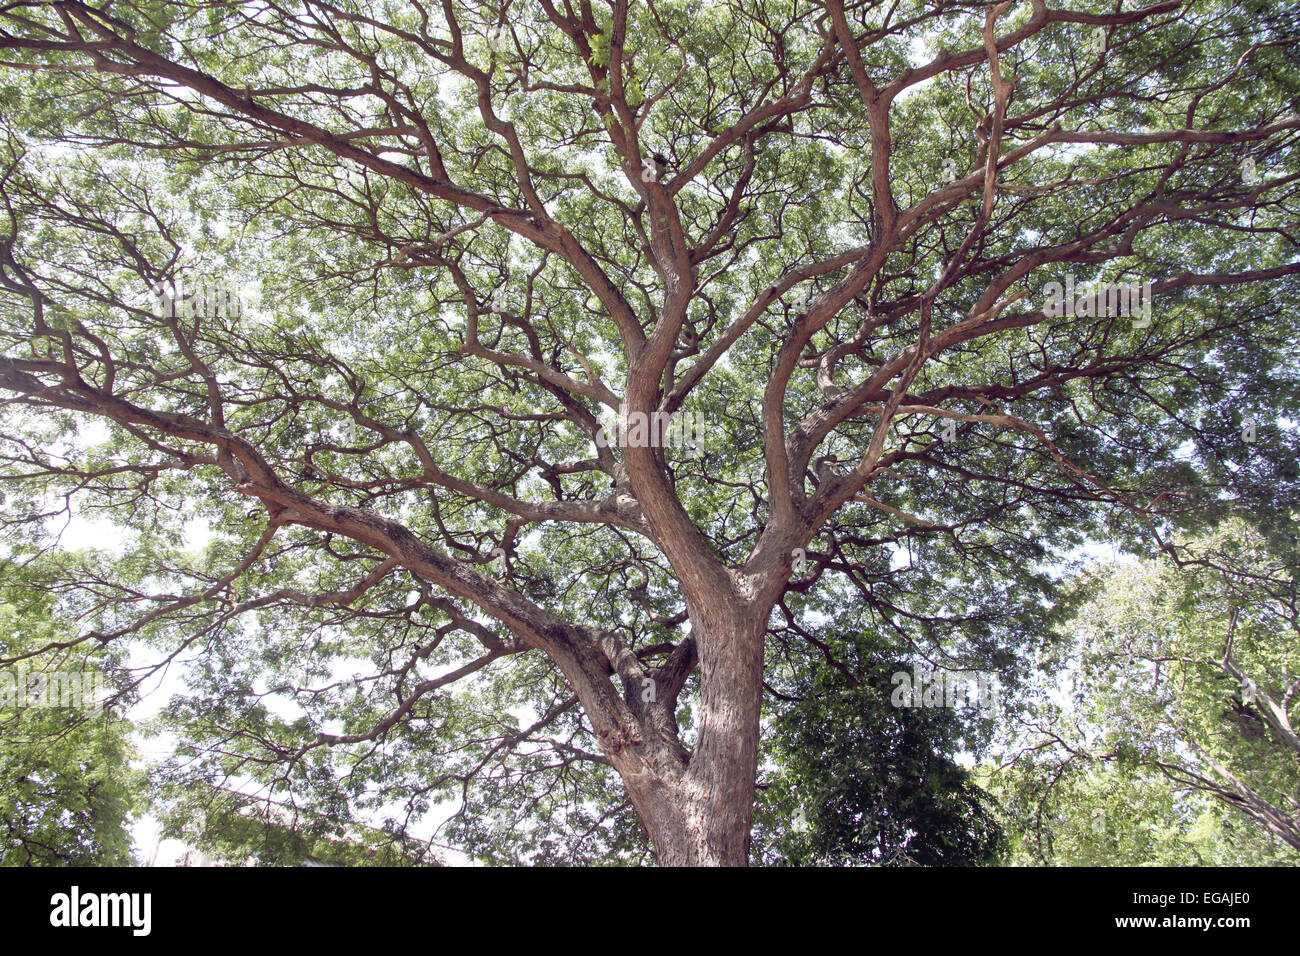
(321, 307)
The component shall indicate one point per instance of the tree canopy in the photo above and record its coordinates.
(333, 310)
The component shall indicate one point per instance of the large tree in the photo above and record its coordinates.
(826, 230)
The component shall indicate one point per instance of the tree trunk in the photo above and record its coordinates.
(702, 817)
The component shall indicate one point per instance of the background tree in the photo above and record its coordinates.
(868, 783)
(826, 229)
(68, 792)
(227, 826)
(1087, 813)
(1182, 673)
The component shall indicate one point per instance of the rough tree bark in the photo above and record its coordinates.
(701, 814)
